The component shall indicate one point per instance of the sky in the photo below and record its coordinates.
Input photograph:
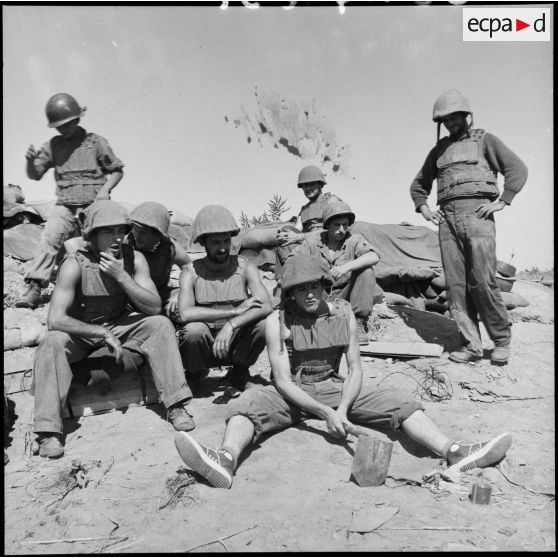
(158, 83)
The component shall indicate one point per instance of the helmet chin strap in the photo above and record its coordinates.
(438, 124)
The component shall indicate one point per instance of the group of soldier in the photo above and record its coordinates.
(112, 293)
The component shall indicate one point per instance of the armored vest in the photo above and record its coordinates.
(76, 169)
(225, 289)
(317, 343)
(463, 171)
(160, 262)
(99, 298)
(311, 213)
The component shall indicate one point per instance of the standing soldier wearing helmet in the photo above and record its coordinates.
(350, 259)
(85, 170)
(312, 181)
(222, 302)
(150, 236)
(465, 165)
(316, 335)
(89, 309)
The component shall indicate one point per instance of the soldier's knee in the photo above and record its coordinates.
(194, 331)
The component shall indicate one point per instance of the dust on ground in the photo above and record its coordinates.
(121, 487)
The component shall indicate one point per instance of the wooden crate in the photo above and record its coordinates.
(127, 390)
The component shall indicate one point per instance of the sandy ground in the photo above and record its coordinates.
(294, 492)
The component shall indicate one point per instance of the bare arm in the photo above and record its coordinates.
(189, 312)
(62, 299)
(353, 382)
(281, 370)
(140, 288)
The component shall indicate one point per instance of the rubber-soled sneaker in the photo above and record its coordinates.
(362, 328)
(216, 466)
(500, 355)
(464, 356)
(483, 454)
(31, 297)
(180, 418)
(50, 445)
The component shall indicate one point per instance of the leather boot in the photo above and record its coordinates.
(31, 297)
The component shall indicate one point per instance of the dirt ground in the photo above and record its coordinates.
(293, 493)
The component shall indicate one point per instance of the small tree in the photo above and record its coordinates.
(276, 208)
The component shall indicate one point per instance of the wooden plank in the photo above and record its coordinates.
(409, 350)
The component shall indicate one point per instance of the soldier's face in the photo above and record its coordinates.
(337, 228)
(455, 123)
(312, 189)
(109, 239)
(68, 129)
(146, 237)
(217, 247)
(308, 296)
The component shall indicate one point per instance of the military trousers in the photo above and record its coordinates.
(153, 336)
(468, 248)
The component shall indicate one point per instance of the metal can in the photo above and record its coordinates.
(480, 493)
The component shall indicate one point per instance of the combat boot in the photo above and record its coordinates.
(500, 356)
(31, 297)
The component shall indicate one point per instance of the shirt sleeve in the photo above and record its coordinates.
(43, 161)
(108, 161)
(362, 246)
(422, 184)
(507, 163)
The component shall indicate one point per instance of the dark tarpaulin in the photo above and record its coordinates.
(407, 252)
(20, 241)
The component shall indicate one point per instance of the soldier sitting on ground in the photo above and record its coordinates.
(306, 383)
(350, 259)
(222, 302)
(89, 309)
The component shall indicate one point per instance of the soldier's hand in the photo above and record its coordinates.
(102, 195)
(485, 210)
(248, 304)
(223, 341)
(337, 271)
(113, 267)
(288, 237)
(334, 423)
(436, 216)
(31, 153)
(114, 345)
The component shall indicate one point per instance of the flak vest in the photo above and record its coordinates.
(160, 261)
(312, 212)
(75, 167)
(316, 344)
(463, 171)
(99, 298)
(225, 289)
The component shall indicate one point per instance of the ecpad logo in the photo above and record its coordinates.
(506, 24)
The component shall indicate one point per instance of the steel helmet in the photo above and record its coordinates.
(62, 108)
(152, 214)
(310, 174)
(449, 102)
(335, 208)
(214, 219)
(102, 213)
(300, 269)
